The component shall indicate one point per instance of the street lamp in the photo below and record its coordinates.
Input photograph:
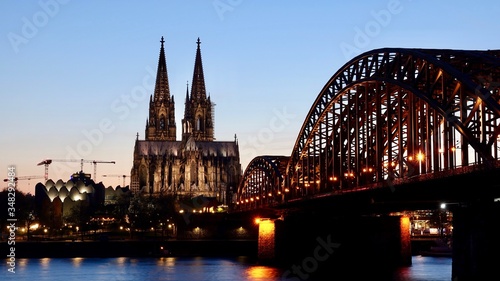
(441, 155)
(420, 157)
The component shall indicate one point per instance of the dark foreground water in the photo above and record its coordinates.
(187, 269)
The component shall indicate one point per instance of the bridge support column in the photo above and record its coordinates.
(476, 241)
(266, 242)
(405, 241)
(330, 248)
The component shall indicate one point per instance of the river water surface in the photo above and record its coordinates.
(188, 269)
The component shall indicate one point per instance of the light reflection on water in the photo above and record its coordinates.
(426, 269)
(176, 269)
(261, 273)
(77, 262)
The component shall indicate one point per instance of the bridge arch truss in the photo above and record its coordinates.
(395, 113)
(262, 182)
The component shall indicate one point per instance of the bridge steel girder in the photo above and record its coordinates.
(262, 182)
(396, 113)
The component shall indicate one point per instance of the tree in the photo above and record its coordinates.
(148, 212)
(79, 216)
(24, 208)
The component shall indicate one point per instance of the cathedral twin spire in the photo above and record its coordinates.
(198, 114)
(162, 90)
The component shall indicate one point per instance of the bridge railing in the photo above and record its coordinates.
(398, 181)
(387, 183)
(457, 170)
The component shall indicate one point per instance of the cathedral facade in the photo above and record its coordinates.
(196, 165)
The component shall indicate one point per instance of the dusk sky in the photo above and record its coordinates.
(76, 76)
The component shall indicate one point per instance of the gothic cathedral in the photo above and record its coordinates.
(197, 165)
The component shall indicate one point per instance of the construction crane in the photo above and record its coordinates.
(124, 176)
(95, 165)
(25, 178)
(47, 162)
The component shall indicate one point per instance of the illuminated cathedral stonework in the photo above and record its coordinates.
(194, 166)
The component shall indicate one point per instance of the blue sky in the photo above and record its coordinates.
(76, 75)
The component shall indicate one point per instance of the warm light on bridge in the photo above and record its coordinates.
(349, 175)
(261, 220)
(420, 156)
(393, 164)
(369, 169)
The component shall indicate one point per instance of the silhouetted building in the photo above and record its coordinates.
(117, 195)
(197, 165)
(55, 201)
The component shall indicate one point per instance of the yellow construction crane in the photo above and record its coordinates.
(47, 162)
(121, 176)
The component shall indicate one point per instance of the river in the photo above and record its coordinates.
(188, 269)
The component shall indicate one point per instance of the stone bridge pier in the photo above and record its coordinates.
(476, 240)
(312, 246)
(317, 245)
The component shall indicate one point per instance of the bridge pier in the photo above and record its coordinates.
(266, 241)
(320, 246)
(476, 241)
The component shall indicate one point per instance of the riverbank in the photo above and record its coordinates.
(132, 248)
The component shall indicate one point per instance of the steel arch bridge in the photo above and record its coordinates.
(262, 181)
(391, 114)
